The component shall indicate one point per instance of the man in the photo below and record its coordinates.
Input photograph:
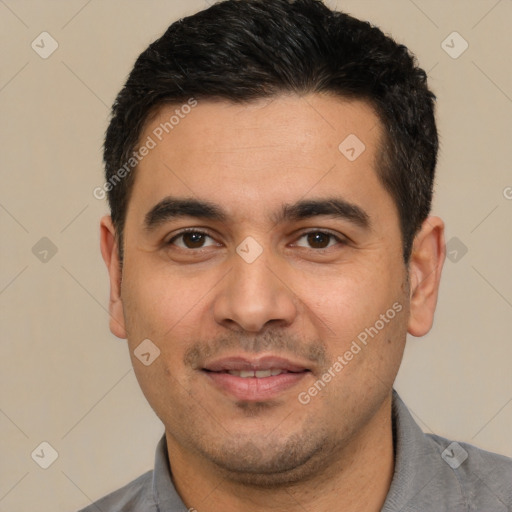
(270, 169)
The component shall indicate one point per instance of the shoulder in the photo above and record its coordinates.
(433, 473)
(134, 496)
(483, 478)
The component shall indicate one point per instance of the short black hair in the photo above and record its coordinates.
(244, 50)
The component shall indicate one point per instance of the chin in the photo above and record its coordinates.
(271, 465)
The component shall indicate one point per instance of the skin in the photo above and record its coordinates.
(295, 300)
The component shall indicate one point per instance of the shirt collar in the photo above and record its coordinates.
(411, 446)
(164, 493)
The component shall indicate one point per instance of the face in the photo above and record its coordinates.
(265, 265)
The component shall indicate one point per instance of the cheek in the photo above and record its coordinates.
(156, 309)
(159, 303)
(343, 302)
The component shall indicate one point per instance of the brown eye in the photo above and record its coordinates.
(318, 240)
(192, 240)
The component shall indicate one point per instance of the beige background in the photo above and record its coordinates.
(67, 381)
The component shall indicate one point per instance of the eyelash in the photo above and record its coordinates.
(184, 232)
(339, 240)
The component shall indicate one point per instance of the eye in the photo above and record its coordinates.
(318, 240)
(192, 239)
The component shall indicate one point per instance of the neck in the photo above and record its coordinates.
(357, 475)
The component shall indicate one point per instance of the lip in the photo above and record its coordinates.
(240, 363)
(254, 389)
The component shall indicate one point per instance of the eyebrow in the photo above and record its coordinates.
(331, 207)
(171, 208)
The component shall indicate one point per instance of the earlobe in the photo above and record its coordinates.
(110, 253)
(425, 267)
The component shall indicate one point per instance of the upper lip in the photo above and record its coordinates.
(241, 363)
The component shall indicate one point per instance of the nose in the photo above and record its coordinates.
(255, 295)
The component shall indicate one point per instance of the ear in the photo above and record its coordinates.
(425, 266)
(110, 253)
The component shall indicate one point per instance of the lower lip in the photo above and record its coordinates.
(253, 388)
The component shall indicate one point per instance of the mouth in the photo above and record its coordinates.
(259, 374)
(254, 379)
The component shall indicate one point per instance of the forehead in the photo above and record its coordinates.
(263, 152)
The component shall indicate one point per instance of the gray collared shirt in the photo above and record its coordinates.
(432, 474)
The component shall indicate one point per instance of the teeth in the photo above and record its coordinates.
(260, 374)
